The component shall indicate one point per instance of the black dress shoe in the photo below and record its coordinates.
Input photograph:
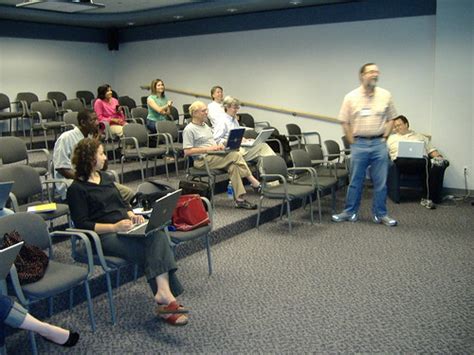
(70, 342)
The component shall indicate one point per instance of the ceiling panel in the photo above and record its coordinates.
(123, 13)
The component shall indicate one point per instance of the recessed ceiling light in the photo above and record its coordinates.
(295, 2)
(130, 23)
(178, 17)
(231, 10)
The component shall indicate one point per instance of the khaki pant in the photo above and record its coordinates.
(235, 165)
(257, 151)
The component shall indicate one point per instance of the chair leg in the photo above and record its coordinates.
(117, 281)
(288, 212)
(111, 299)
(311, 208)
(141, 168)
(318, 196)
(259, 209)
(89, 305)
(34, 348)
(50, 306)
(165, 159)
(135, 272)
(121, 163)
(71, 298)
(176, 164)
(281, 209)
(45, 139)
(208, 247)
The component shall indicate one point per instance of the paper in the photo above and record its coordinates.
(45, 207)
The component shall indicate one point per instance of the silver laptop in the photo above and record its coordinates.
(160, 216)
(233, 142)
(7, 257)
(5, 188)
(411, 149)
(261, 138)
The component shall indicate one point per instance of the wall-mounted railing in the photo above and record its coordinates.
(282, 110)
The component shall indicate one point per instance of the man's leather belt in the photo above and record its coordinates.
(369, 137)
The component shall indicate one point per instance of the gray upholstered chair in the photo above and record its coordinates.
(136, 145)
(75, 105)
(24, 100)
(179, 237)
(56, 98)
(59, 277)
(274, 169)
(297, 137)
(28, 191)
(14, 150)
(6, 112)
(47, 119)
(301, 159)
(170, 129)
(139, 114)
(86, 97)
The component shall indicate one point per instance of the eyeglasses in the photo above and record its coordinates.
(372, 72)
(235, 107)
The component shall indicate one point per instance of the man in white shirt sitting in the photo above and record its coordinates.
(434, 168)
(215, 109)
(229, 121)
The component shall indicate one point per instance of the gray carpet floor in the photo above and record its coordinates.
(326, 288)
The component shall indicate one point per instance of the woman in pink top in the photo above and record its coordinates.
(108, 109)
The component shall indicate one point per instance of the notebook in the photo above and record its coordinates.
(261, 138)
(7, 257)
(233, 142)
(411, 149)
(5, 188)
(160, 216)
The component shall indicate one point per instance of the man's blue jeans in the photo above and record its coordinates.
(364, 153)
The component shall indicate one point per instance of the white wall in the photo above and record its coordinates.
(40, 66)
(453, 123)
(305, 69)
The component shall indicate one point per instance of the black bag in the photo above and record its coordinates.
(195, 187)
(31, 262)
(145, 200)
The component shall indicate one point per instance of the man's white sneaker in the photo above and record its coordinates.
(345, 216)
(388, 221)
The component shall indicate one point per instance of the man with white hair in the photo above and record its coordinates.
(229, 121)
(198, 140)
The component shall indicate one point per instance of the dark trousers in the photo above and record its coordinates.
(420, 168)
(152, 252)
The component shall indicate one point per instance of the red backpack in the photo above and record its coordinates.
(190, 213)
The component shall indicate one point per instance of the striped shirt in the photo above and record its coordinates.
(367, 114)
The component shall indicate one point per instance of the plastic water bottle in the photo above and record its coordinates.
(230, 191)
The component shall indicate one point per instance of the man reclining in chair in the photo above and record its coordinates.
(198, 140)
(434, 167)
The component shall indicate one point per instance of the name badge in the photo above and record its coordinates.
(365, 112)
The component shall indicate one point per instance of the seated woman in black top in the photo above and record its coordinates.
(96, 204)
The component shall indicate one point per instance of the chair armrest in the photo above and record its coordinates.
(262, 123)
(313, 133)
(14, 200)
(16, 286)
(78, 234)
(97, 244)
(209, 209)
(280, 146)
(310, 170)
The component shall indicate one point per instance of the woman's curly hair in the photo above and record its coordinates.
(83, 158)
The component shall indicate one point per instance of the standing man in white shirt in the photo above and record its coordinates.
(367, 115)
